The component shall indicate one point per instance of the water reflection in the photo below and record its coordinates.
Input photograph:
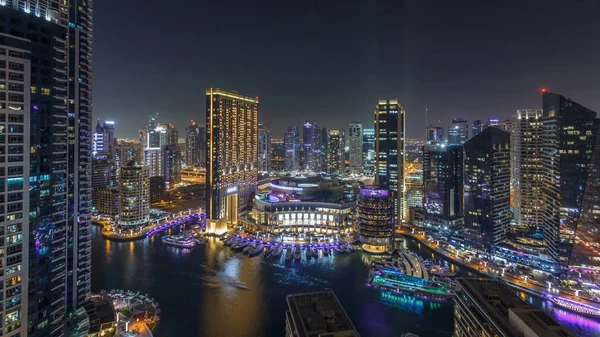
(198, 295)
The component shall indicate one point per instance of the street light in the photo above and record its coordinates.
(577, 292)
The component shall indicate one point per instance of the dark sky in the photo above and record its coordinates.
(330, 61)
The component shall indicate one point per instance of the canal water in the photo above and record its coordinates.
(197, 296)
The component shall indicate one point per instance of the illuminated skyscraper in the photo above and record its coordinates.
(134, 195)
(103, 139)
(264, 149)
(45, 53)
(390, 153)
(369, 152)
(232, 155)
(172, 164)
(527, 168)
(570, 131)
(458, 133)
(172, 137)
(355, 147)
(291, 143)
(312, 147)
(192, 151)
(335, 151)
(443, 185)
(154, 160)
(487, 185)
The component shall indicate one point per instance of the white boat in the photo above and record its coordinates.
(178, 241)
(288, 253)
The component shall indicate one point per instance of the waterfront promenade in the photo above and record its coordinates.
(112, 232)
(512, 280)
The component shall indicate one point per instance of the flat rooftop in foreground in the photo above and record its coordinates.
(319, 314)
(515, 317)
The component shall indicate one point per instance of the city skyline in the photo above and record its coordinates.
(436, 58)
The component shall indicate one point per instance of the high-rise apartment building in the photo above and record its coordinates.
(527, 167)
(43, 46)
(232, 161)
(443, 185)
(312, 147)
(487, 185)
(458, 133)
(291, 142)
(335, 151)
(192, 152)
(277, 154)
(355, 147)
(172, 164)
(202, 145)
(126, 152)
(172, 135)
(134, 195)
(390, 153)
(154, 160)
(103, 139)
(369, 152)
(570, 131)
(264, 149)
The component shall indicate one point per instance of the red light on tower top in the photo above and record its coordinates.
(543, 90)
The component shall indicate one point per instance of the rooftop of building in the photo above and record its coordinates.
(309, 189)
(506, 310)
(319, 314)
(231, 94)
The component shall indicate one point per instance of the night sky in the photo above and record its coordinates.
(330, 61)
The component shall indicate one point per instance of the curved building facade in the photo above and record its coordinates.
(314, 205)
(134, 195)
(375, 218)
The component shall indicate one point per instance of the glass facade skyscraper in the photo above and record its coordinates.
(312, 147)
(487, 185)
(368, 152)
(291, 142)
(355, 147)
(569, 134)
(443, 185)
(264, 149)
(390, 154)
